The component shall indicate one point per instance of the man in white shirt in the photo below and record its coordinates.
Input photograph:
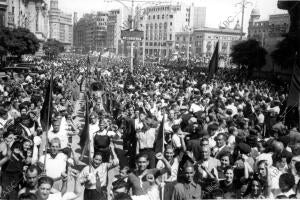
(56, 163)
(196, 107)
(231, 107)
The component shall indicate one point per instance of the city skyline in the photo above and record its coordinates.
(215, 15)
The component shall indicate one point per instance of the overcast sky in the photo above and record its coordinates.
(217, 10)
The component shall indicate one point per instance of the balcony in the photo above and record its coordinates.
(3, 4)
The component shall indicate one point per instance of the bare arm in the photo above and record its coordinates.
(5, 150)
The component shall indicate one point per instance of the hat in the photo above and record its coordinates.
(183, 108)
(244, 148)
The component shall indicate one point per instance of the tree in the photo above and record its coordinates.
(52, 48)
(285, 53)
(21, 41)
(3, 38)
(249, 54)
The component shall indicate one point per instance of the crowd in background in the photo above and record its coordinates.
(183, 136)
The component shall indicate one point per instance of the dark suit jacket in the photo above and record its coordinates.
(195, 147)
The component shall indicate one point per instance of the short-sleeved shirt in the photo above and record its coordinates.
(55, 166)
(184, 191)
(141, 186)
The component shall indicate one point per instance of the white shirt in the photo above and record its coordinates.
(146, 139)
(211, 142)
(275, 109)
(55, 166)
(66, 196)
(233, 108)
(101, 171)
(174, 170)
(176, 141)
(55, 196)
(196, 108)
(261, 118)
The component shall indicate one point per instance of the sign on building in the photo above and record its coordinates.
(132, 35)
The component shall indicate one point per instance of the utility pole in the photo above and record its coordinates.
(244, 3)
(132, 42)
(145, 35)
(132, 22)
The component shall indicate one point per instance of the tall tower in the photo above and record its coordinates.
(254, 17)
(75, 18)
(54, 20)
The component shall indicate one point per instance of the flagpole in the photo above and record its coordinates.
(48, 117)
(87, 113)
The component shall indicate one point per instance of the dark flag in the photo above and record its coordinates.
(88, 60)
(214, 62)
(47, 109)
(84, 134)
(293, 98)
(160, 140)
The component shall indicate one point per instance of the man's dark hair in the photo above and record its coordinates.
(27, 196)
(142, 155)
(122, 196)
(32, 168)
(287, 180)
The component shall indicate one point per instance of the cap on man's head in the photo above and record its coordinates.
(244, 148)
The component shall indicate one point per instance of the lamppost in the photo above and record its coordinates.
(189, 30)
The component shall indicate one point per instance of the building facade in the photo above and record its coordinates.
(199, 19)
(60, 24)
(117, 21)
(160, 25)
(30, 14)
(90, 32)
(268, 32)
(3, 13)
(202, 41)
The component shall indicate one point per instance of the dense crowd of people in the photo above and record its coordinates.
(183, 136)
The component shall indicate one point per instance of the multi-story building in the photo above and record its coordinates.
(268, 32)
(117, 21)
(30, 14)
(202, 41)
(61, 26)
(3, 13)
(199, 17)
(90, 32)
(161, 23)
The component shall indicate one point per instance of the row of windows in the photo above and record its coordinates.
(160, 25)
(163, 44)
(159, 17)
(159, 9)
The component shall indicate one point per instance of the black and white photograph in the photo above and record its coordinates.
(149, 99)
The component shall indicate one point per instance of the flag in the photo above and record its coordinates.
(214, 62)
(84, 134)
(160, 140)
(88, 60)
(293, 98)
(47, 108)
